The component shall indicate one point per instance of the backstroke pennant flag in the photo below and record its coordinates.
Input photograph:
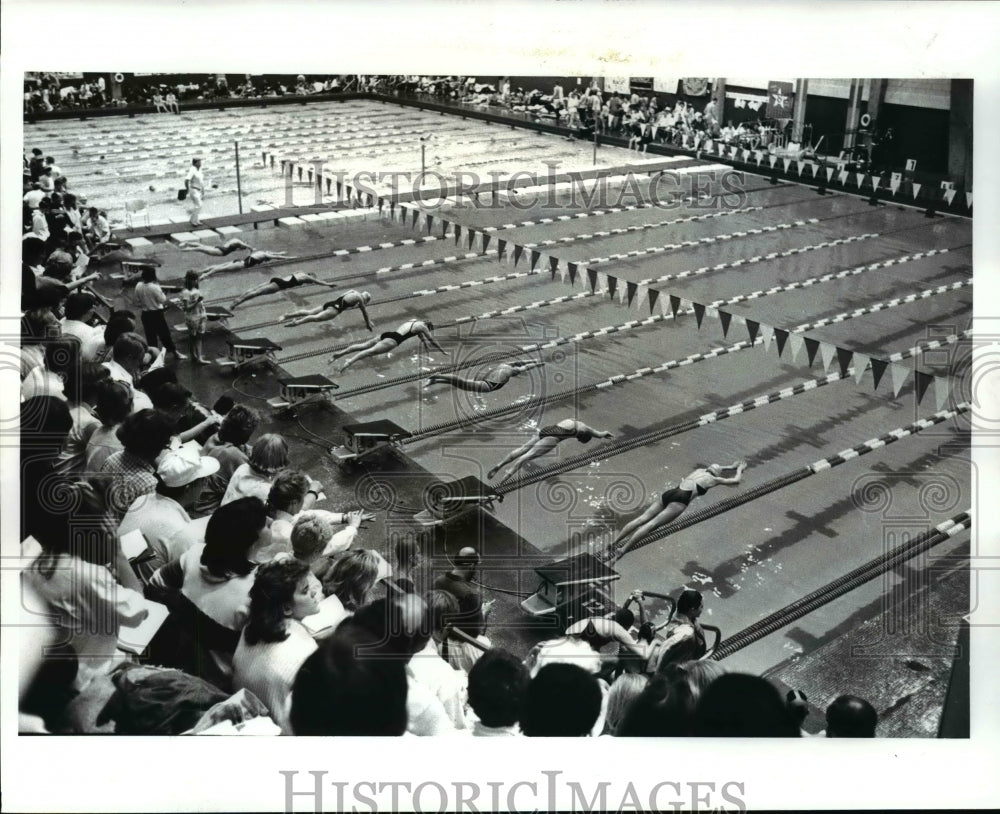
(675, 304)
(699, 312)
(592, 279)
(572, 273)
(768, 333)
(458, 232)
(501, 248)
(878, 370)
(612, 286)
(860, 366)
(844, 358)
(812, 345)
(654, 295)
(921, 381)
(725, 318)
(534, 258)
(795, 345)
(900, 373)
(827, 352)
(780, 337)
(518, 250)
(941, 387)
(553, 265)
(752, 328)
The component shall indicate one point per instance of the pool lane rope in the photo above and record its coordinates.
(944, 531)
(689, 519)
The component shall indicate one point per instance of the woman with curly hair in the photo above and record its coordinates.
(274, 643)
(352, 577)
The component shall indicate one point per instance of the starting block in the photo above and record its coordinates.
(246, 354)
(457, 498)
(302, 390)
(363, 439)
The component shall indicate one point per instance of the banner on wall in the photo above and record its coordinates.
(616, 84)
(695, 86)
(665, 84)
(780, 97)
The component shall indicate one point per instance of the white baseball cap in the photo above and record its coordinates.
(183, 463)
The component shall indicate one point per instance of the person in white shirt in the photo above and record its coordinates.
(61, 355)
(194, 183)
(268, 456)
(127, 356)
(153, 303)
(79, 311)
(274, 643)
(162, 517)
(33, 197)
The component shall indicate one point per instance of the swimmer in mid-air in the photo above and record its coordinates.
(255, 258)
(671, 504)
(230, 246)
(494, 379)
(276, 284)
(388, 342)
(332, 309)
(546, 440)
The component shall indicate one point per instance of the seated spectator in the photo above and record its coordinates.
(190, 421)
(498, 683)
(48, 379)
(851, 717)
(737, 705)
(79, 311)
(428, 668)
(112, 405)
(229, 447)
(268, 456)
(127, 358)
(406, 559)
(131, 473)
(120, 322)
(274, 643)
(80, 388)
(38, 325)
(162, 516)
(352, 576)
(208, 592)
(562, 701)
(623, 692)
(402, 624)
(292, 495)
(662, 710)
(339, 692)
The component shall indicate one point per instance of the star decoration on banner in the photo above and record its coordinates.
(779, 99)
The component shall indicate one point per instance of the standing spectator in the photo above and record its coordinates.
(194, 183)
(228, 446)
(851, 717)
(153, 303)
(162, 516)
(268, 457)
(274, 643)
(192, 303)
(498, 683)
(471, 618)
(36, 163)
(562, 701)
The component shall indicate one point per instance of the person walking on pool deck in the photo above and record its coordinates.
(153, 302)
(230, 246)
(671, 504)
(494, 379)
(332, 310)
(546, 440)
(194, 183)
(255, 258)
(388, 342)
(276, 284)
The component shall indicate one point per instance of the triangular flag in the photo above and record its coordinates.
(812, 346)
(800, 165)
(415, 215)
(921, 383)
(518, 250)
(844, 358)
(768, 333)
(592, 279)
(827, 352)
(572, 272)
(900, 373)
(472, 236)
(553, 265)
(781, 337)
(786, 163)
(675, 304)
(725, 318)
(759, 156)
(641, 295)
(430, 223)
(894, 182)
(916, 190)
(878, 370)
(860, 366)
(562, 274)
(772, 160)
(501, 248)
(795, 345)
(842, 176)
(486, 241)
(876, 180)
(941, 387)
(612, 286)
(968, 199)
(602, 283)
(630, 289)
(829, 173)
(654, 295)
(699, 312)
(458, 232)
(752, 328)
(534, 258)
(949, 195)
(859, 177)
(445, 224)
(746, 155)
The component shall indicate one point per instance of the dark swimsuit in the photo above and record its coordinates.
(229, 249)
(249, 261)
(398, 338)
(555, 431)
(285, 282)
(678, 495)
(337, 305)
